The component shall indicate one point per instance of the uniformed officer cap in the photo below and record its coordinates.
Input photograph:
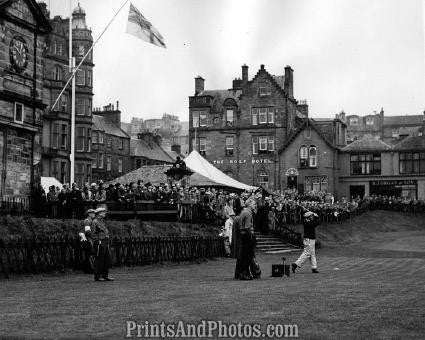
(99, 210)
(90, 211)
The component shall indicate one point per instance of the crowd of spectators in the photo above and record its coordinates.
(207, 204)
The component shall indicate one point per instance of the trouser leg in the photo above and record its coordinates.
(313, 260)
(305, 254)
(106, 261)
(245, 254)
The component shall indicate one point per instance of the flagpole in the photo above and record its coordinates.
(71, 70)
(86, 55)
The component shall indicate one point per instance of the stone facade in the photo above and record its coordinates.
(240, 130)
(57, 121)
(23, 30)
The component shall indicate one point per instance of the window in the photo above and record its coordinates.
(80, 138)
(109, 142)
(55, 136)
(138, 163)
(88, 140)
(229, 117)
(354, 121)
(195, 118)
(64, 134)
(120, 143)
(262, 144)
(263, 178)
(63, 173)
(263, 115)
(202, 118)
(57, 73)
(229, 146)
(316, 183)
(119, 164)
(303, 156)
(313, 156)
(19, 113)
(369, 120)
(79, 80)
(94, 162)
(80, 107)
(108, 163)
(100, 161)
(88, 173)
(395, 133)
(64, 103)
(81, 50)
(88, 107)
(254, 113)
(307, 132)
(202, 146)
(264, 88)
(412, 162)
(100, 137)
(94, 137)
(60, 49)
(55, 169)
(89, 78)
(365, 164)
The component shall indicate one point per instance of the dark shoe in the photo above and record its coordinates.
(294, 267)
(246, 277)
(99, 279)
(108, 279)
(315, 271)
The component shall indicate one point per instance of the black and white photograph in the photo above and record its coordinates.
(222, 169)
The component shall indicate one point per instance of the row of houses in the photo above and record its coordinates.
(258, 133)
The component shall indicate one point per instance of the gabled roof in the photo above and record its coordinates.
(367, 144)
(219, 96)
(43, 24)
(306, 123)
(275, 80)
(154, 174)
(404, 120)
(411, 143)
(101, 124)
(140, 148)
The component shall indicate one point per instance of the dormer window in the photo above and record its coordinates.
(229, 117)
(369, 120)
(354, 121)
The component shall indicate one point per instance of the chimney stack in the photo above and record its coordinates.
(289, 82)
(244, 76)
(302, 106)
(199, 85)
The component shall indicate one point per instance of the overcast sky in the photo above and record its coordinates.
(351, 55)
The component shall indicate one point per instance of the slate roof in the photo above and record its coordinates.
(219, 96)
(307, 122)
(367, 144)
(403, 120)
(140, 148)
(411, 143)
(280, 80)
(101, 124)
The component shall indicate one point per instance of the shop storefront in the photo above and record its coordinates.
(399, 188)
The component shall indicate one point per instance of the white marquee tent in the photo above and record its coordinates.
(195, 162)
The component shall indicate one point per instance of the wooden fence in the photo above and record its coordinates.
(58, 254)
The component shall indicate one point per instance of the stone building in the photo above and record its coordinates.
(110, 145)
(56, 137)
(240, 130)
(23, 31)
(390, 129)
(147, 150)
(308, 160)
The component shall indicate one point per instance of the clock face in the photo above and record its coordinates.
(18, 52)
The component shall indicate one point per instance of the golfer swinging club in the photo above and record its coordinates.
(311, 221)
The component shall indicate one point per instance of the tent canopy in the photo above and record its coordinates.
(47, 182)
(200, 165)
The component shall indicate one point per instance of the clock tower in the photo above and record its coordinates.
(23, 29)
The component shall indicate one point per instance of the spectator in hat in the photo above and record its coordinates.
(101, 247)
(311, 221)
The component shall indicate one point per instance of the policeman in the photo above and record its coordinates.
(88, 221)
(101, 247)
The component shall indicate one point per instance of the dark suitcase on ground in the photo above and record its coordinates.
(278, 270)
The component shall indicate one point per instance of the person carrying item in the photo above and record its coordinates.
(101, 247)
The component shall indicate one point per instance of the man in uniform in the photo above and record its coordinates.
(311, 221)
(247, 240)
(101, 247)
(87, 241)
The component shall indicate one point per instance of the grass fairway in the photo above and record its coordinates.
(372, 290)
